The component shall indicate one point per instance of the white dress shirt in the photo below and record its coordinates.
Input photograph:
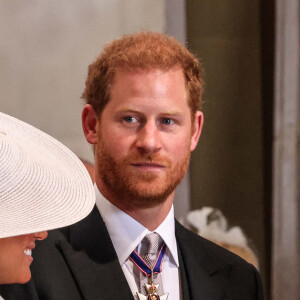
(126, 235)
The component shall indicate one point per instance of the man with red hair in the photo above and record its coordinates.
(143, 117)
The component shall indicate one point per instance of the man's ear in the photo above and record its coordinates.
(196, 129)
(89, 120)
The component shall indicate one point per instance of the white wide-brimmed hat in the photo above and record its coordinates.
(43, 185)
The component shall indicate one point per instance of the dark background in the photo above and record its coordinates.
(232, 165)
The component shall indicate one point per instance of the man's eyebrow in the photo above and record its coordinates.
(128, 109)
(172, 113)
(135, 110)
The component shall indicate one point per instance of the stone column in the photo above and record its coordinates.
(285, 246)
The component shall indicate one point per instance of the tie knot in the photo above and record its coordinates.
(151, 244)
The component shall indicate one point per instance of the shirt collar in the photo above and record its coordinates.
(126, 233)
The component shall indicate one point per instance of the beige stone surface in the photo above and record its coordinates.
(45, 49)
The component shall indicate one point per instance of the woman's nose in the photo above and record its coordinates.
(41, 235)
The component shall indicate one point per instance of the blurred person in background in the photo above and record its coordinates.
(211, 224)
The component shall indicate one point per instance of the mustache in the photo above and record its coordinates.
(147, 158)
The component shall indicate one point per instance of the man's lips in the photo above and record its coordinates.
(148, 165)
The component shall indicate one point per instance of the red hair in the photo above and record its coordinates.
(143, 51)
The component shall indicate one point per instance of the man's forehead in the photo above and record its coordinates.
(139, 78)
(120, 72)
(149, 83)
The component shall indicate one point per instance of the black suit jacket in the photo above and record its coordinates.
(79, 262)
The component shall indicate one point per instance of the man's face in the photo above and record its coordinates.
(145, 135)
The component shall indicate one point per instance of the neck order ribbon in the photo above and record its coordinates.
(144, 267)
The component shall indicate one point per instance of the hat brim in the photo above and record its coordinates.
(43, 184)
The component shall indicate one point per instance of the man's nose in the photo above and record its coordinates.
(148, 138)
(40, 235)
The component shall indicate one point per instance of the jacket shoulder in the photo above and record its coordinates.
(240, 279)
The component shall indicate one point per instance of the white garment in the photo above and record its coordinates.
(126, 234)
(1, 298)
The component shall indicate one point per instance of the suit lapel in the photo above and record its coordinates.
(184, 286)
(201, 277)
(93, 261)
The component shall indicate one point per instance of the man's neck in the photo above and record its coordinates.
(150, 217)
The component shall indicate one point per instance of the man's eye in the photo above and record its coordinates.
(167, 121)
(129, 119)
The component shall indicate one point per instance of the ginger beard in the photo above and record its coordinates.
(143, 189)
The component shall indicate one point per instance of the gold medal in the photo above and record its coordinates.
(152, 291)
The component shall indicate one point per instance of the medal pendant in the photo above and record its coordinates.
(152, 293)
